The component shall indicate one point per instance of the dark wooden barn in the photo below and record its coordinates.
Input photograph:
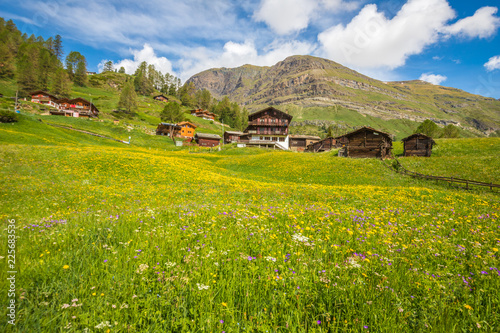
(366, 142)
(300, 142)
(326, 144)
(418, 144)
(207, 140)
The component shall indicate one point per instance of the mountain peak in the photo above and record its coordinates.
(310, 81)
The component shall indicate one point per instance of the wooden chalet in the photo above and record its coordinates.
(205, 114)
(161, 98)
(164, 129)
(207, 140)
(326, 144)
(300, 142)
(418, 144)
(366, 142)
(186, 129)
(45, 98)
(233, 136)
(269, 127)
(80, 107)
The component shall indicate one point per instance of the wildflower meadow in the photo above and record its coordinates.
(117, 238)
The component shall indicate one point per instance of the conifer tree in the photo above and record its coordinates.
(128, 98)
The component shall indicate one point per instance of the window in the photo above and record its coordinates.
(275, 139)
(281, 139)
(267, 138)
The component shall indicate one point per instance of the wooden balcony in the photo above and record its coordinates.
(267, 123)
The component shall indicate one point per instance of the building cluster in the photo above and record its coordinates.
(267, 128)
(76, 107)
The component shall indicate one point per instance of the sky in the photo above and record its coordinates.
(453, 43)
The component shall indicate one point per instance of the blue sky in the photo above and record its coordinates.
(452, 43)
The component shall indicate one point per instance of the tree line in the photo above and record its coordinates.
(37, 63)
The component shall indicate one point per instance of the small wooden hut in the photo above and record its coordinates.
(161, 98)
(418, 144)
(207, 140)
(366, 142)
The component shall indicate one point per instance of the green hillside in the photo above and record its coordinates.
(145, 237)
(104, 92)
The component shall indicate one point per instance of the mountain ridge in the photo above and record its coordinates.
(309, 81)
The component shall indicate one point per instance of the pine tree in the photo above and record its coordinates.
(81, 73)
(58, 48)
(61, 84)
(172, 114)
(27, 65)
(128, 98)
(108, 66)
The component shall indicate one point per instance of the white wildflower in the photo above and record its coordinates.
(268, 258)
(300, 238)
(103, 325)
(142, 268)
(202, 286)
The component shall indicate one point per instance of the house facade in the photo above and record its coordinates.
(269, 127)
(205, 114)
(186, 130)
(42, 97)
(76, 107)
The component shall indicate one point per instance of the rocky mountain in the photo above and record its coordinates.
(308, 81)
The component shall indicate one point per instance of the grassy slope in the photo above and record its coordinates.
(104, 209)
(104, 91)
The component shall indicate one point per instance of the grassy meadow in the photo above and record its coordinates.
(147, 237)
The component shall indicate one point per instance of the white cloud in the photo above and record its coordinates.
(493, 63)
(482, 24)
(148, 55)
(288, 16)
(433, 78)
(238, 54)
(371, 40)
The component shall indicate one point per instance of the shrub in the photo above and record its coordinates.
(8, 117)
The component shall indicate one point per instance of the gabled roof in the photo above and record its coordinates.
(186, 123)
(418, 134)
(234, 133)
(161, 95)
(311, 137)
(208, 136)
(364, 128)
(169, 124)
(44, 93)
(283, 114)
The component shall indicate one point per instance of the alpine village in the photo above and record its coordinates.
(300, 196)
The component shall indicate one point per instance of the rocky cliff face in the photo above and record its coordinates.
(315, 82)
